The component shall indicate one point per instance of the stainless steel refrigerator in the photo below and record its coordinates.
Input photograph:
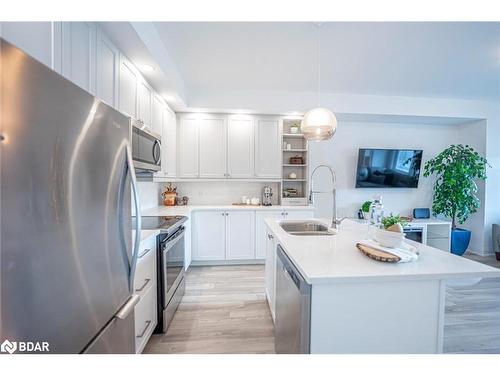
(67, 260)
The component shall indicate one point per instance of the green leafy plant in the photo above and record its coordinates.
(366, 206)
(391, 220)
(455, 191)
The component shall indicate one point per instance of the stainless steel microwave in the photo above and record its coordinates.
(146, 148)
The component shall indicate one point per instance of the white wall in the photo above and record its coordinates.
(35, 38)
(492, 205)
(342, 152)
(223, 192)
(474, 135)
(149, 195)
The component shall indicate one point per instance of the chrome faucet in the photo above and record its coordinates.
(335, 221)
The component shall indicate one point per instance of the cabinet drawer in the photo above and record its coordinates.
(145, 274)
(145, 319)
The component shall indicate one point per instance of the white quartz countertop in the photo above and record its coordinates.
(331, 259)
(186, 210)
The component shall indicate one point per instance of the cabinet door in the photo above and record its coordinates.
(107, 65)
(188, 148)
(299, 214)
(260, 233)
(169, 143)
(157, 115)
(240, 235)
(78, 48)
(127, 89)
(240, 147)
(270, 270)
(212, 140)
(268, 148)
(210, 235)
(144, 102)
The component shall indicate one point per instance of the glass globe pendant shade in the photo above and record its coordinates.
(319, 124)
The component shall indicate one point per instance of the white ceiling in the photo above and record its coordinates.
(453, 60)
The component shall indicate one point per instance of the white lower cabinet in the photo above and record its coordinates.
(270, 270)
(240, 235)
(220, 235)
(210, 235)
(145, 287)
(260, 234)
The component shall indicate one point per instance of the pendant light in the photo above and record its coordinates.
(319, 124)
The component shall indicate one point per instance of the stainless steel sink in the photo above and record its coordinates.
(306, 228)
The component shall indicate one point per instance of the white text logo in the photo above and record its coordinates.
(24, 346)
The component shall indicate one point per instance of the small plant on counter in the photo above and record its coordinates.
(394, 223)
(365, 209)
(366, 206)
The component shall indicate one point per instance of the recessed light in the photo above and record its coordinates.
(148, 68)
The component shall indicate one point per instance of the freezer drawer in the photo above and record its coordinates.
(293, 308)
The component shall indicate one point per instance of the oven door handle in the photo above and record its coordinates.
(174, 239)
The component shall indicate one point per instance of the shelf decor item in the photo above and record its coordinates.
(170, 195)
(296, 159)
(295, 129)
(455, 191)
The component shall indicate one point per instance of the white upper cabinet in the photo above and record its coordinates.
(188, 147)
(212, 146)
(240, 235)
(144, 102)
(107, 66)
(157, 115)
(240, 147)
(210, 235)
(77, 53)
(127, 89)
(169, 143)
(268, 148)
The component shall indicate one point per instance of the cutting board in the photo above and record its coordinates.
(379, 255)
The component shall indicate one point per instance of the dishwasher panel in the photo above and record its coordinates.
(293, 308)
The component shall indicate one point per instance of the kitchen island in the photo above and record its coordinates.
(359, 305)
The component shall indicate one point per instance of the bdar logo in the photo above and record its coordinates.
(8, 347)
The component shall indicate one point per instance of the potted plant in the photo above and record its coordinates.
(365, 208)
(455, 191)
(391, 234)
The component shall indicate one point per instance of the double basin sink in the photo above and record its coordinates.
(306, 228)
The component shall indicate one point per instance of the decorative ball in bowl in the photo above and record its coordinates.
(387, 238)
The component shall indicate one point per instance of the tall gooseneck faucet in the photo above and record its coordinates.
(335, 220)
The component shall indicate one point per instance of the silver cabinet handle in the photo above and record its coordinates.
(143, 253)
(148, 323)
(146, 282)
(270, 236)
(128, 307)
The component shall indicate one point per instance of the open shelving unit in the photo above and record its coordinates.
(294, 190)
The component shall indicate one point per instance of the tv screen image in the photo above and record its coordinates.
(384, 168)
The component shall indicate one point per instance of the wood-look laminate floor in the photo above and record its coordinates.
(224, 310)
(472, 315)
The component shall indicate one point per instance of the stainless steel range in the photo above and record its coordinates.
(170, 265)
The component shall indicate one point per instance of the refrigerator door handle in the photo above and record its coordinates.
(128, 307)
(135, 253)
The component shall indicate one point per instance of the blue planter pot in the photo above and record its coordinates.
(460, 239)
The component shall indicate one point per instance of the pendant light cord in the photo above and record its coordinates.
(319, 63)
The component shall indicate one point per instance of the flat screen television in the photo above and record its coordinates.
(384, 168)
